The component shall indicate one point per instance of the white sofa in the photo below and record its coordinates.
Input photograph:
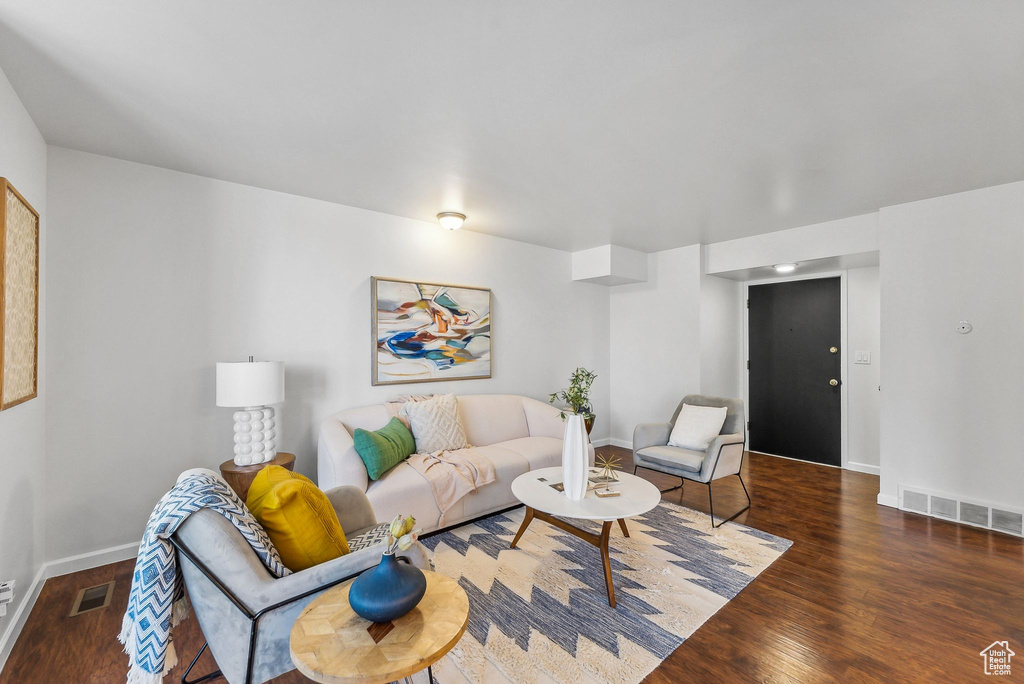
(517, 434)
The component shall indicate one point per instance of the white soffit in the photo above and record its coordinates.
(609, 265)
(826, 265)
(843, 237)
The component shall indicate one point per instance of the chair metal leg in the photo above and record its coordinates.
(204, 678)
(711, 504)
(663, 491)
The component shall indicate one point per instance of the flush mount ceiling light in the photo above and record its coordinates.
(451, 220)
(785, 268)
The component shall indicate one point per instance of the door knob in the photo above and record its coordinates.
(833, 382)
(833, 350)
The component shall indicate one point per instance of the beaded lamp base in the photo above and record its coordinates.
(255, 432)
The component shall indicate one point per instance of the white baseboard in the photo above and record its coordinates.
(93, 559)
(56, 568)
(611, 441)
(20, 616)
(864, 468)
(888, 500)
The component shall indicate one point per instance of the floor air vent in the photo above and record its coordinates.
(967, 512)
(92, 598)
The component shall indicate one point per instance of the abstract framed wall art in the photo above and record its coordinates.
(429, 332)
(19, 297)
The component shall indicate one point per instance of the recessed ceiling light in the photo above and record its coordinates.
(785, 268)
(451, 220)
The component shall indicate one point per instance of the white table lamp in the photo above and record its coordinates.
(251, 386)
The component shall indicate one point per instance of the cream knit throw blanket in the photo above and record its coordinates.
(453, 474)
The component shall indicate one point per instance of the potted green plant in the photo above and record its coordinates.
(577, 396)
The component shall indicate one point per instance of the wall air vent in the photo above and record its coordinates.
(942, 507)
(914, 501)
(1008, 521)
(972, 513)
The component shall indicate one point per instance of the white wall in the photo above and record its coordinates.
(655, 341)
(157, 275)
(951, 403)
(721, 337)
(863, 333)
(23, 488)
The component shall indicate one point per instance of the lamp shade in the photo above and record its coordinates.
(252, 383)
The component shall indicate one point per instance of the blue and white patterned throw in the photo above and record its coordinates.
(157, 600)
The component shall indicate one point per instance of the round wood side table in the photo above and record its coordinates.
(330, 643)
(240, 477)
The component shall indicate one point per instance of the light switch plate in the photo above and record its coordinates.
(862, 357)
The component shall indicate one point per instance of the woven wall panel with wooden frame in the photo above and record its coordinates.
(19, 298)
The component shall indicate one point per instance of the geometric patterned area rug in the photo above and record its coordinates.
(539, 614)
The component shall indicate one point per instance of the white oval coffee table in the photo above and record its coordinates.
(636, 497)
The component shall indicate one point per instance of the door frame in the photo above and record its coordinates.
(843, 399)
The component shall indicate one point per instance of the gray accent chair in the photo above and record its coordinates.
(245, 612)
(724, 456)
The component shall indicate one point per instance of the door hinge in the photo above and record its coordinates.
(748, 302)
(748, 364)
(748, 425)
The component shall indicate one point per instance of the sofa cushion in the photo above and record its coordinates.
(674, 457)
(404, 491)
(298, 518)
(539, 452)
(493, 418)
(381, 450)
(508, 465)
(371, 417)
(436, 424)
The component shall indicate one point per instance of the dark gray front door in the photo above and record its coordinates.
(795, 369)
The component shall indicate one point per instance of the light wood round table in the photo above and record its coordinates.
(330, 643)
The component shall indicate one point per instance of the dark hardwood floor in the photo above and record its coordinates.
(866, 593)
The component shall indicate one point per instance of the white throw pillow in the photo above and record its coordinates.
(435, 424)
(697, 426)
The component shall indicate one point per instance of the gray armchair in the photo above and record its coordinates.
(724, 456)
(245, 612)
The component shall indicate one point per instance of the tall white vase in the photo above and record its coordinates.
(574, 458)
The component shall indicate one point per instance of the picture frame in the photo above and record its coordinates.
(429, 332)
(19, 298)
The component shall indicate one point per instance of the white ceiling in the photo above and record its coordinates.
(571, 124)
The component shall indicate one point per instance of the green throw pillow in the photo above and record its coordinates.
(381, 450)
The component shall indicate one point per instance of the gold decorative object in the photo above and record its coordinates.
(608, 466)
(19, 297)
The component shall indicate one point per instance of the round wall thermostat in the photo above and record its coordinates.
(964, 327)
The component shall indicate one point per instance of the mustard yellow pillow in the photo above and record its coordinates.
(297, 516)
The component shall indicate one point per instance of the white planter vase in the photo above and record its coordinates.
(574, 458)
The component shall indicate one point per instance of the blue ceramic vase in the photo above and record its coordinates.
(388, 591)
